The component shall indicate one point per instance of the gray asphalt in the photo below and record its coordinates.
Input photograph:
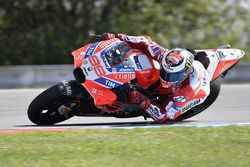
(232, 106)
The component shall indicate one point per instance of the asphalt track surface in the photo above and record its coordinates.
(231, 108)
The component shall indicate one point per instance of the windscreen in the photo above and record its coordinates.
(116, 55)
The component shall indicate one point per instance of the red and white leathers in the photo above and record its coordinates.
(191, 92)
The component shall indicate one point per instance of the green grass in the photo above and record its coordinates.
(169, 146)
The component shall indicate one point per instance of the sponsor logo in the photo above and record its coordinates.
(107, 48)
(204, 79)
(155, 111)
(94, 90)
(125, 70)
(188, 63)
(138, 64)
(176, 107)
(110, 83)
(190, 105)
(91, 50)
(171, 113)
(181, 99)
(156, 49)
(107, 82)
(105, 44)
(128, 76)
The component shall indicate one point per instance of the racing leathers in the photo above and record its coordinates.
(191, 92)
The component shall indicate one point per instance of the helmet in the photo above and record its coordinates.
(175, 67)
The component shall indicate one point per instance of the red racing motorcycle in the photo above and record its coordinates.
(106, 72)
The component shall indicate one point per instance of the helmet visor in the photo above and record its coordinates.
(174, 78)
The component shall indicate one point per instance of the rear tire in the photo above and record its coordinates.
(214, 92)
(46, 101)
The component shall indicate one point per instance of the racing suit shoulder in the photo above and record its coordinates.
(199, 80)
(194, 92)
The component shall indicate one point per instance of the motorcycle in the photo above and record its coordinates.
(107, 71)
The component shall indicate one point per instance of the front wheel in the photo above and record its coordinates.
(44, 109)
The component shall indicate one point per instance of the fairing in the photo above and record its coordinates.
(221, 60)
(109, 64)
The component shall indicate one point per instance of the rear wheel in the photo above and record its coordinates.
(44, 109)
(214, 92)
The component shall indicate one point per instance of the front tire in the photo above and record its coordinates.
(43, 110)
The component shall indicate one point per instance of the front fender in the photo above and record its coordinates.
(72, 89)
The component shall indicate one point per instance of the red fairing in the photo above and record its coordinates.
(79, 55)
(101, 95)
(222, 66)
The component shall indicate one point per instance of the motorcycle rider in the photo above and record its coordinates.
(180, 74)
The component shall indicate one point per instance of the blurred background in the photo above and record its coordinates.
(36, 32)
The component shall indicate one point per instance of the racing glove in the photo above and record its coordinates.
(107, 36)
(137, 97)
(153, 110)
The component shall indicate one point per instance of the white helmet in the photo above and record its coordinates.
(175, 67)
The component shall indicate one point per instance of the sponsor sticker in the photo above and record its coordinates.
(181, 99)
(107, 82)
(125, 69)
(91, 50)
(177, 108)
(155, 112)
(156, 49)
(137, 62)
(190, 105)
(171, 113)
(124, 76)
(106, 43)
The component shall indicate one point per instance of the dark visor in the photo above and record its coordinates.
(171, 78)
